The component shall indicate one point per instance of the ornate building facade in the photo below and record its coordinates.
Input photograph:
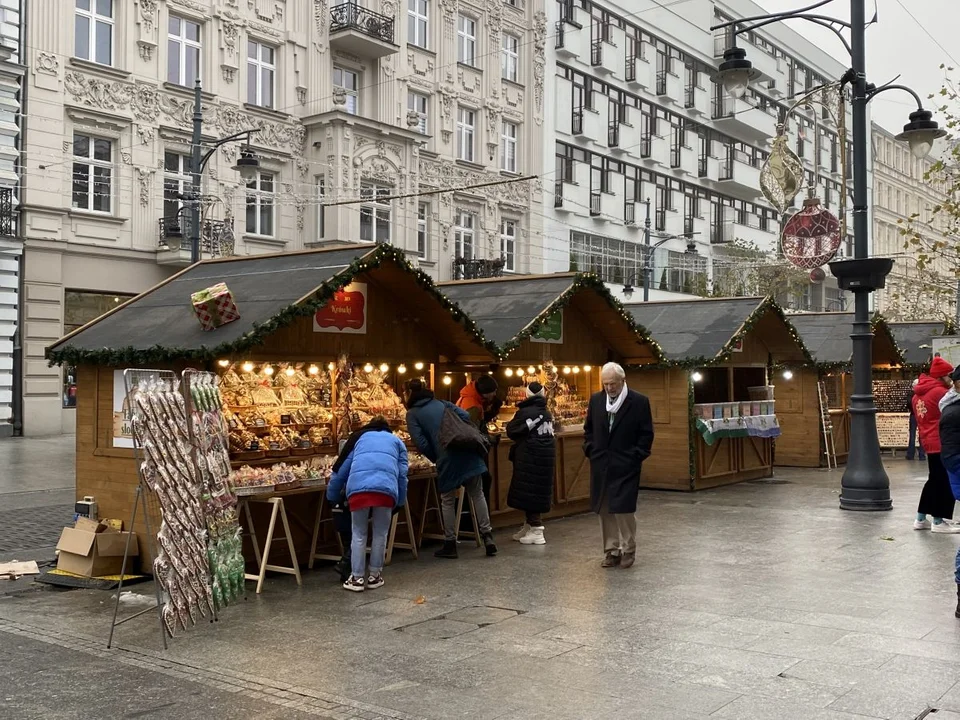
(416, 124)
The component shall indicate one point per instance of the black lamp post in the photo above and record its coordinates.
(247, 165)
(865, 485)
(647, 271)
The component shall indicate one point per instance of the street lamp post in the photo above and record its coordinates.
(647, 271)
(865, 485)
(247, 165)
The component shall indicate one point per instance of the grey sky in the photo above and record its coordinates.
(895, 45)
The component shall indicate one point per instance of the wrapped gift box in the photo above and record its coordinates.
(215, 306)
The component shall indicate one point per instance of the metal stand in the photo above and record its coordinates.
(826, 424)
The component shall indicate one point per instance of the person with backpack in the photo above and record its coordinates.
(456, 466)
(534, 455)
(479, 399)
(950, 452)
(373, 476)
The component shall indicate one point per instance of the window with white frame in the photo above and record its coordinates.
(176, 183)
(513, 3)
(508, 245)
(510, 58)
(92, 173)
(508, 146)
(463, 234)
(349, 80)
(418, 22)
(420, 104)
(93, 25)
(261, 201)
(466, 40)
(375, 213)
(321, 193)
(183, 51)
(261, 71)
(423, 229)
(466, 129)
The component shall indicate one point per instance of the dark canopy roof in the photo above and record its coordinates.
(271, 292)
(701, 330)
(910, 336)
(827, 336)
(510, 309)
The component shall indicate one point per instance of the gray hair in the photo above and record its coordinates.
(615, 368)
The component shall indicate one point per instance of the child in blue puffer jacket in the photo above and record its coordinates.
(373, 475)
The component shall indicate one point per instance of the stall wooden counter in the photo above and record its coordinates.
(712, 427)
(387, 313)
(561, 329)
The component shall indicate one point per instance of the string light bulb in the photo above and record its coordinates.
(418, 366)
(531, 370)
(520, 372)
(566, 371)
(313, 370)
(268, 370)
(248, 367)
(368, 368)
(401, 369)
(384, 367)
(696, 376)
(587, 368)
(787, 374)
(223, 363)
(447, 379)
(575, 370)
(331, 367)
(290, 372)
(508, 372)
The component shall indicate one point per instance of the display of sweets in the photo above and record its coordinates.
(371, 396)
(516, 394)
(893, 396)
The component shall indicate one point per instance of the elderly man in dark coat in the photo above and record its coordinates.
(617, 438)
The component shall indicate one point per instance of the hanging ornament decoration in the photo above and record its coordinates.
(782, 174)
(812, 236)
(817, 276)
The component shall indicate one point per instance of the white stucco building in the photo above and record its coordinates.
(637, 116)
(364, 107)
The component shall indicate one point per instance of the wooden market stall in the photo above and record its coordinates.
(827, 336)
(915, 341)
(559, 329)
(324, 340)
(715, 416)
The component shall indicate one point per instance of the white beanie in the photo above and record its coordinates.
(534, 389)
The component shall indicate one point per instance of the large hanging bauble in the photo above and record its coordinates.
(812, 236)
(782, 174)
(817, 276)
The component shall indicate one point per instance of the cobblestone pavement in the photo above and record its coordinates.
(33, 528)
(759, 601)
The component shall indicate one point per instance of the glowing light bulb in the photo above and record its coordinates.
(587, 368)
(368, 368)
(268, 370)
(313, 370)
(401, 369)
(223, 363)
(248, 367)
(787, 374)
(531, 370)
(696, 376)
(566, 371)
(576, 370)
(508, 372)
(290, 372)
(331, 367)
(519, 372)
(447, 379)
(418, 366)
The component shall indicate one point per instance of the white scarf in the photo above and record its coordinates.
(613, 406)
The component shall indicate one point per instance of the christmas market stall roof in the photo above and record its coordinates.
(914, 339)
(509, 310)
(707, 331)
(271, 293)
(827, 335)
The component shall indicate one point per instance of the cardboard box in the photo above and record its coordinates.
(95, 552)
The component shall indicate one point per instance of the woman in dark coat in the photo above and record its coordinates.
(534, 455)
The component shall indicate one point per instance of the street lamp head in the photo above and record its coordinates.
(921, 132)
(736, 72)
(247, 165)
(628, 291)
(692, 248)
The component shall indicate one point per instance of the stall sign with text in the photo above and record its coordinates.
(122, 412)
(346, 312)
(551, 331)
(948, 347)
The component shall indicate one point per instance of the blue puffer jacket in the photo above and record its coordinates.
(454, 467)
(378, 463)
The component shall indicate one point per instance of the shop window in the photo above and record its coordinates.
(79, 308)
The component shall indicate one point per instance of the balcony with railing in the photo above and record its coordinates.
(661, 83)
(361, 32)
(596, 204)
(630, 213)
(558, 195)
(174, 245)
(638, 73)
(613, 134)
(740, 175)
(8, 214)
(576, 121)
(740, 118)
(477, 269)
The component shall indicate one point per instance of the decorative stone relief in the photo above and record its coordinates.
(145, 133)
(47, 63)
(148, 10)
(230, 32)
(493, 118)
(146, 50)
(228, 73)
(447, 174)
(320, 24)
(539, 61)
(303, 167)
(339, 95)
(126, 157)
(388, 8)
(380, 169)
(301, 95)
(190, 5)
(469, 81)
(301, 204)
(144, 179)
(99, 93)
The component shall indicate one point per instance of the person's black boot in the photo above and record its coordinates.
(957, 611)
(449, 550)
(489, 544)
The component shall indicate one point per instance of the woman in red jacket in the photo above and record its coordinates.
(936, 499)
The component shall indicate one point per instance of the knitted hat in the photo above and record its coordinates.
(940, 368)
(534, 389)
(485, 384)
(955, 375)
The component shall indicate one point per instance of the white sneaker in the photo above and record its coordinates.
(921, 524)
(534, 537)
(945, 528)
(523, 531)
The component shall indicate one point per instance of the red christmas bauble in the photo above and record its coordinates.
(817, 275)
(811, 237)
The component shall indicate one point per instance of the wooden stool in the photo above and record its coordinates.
(473, 516)
(263, 561)
(431, 494)
(314, 555)
(411, 535)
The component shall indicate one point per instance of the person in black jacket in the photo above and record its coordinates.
(534, 455)
(950, 452)
(617, 438)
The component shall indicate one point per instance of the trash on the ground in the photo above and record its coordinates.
(13, 570)
(887, 538)
(420, 600)
(131, 598)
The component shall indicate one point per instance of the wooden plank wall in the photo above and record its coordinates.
(668, 467)
(798, 409)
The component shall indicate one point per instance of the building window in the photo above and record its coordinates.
(463, 235)
(423, 228)
(321, 195)
(79, 308)
(93, 31)
(183, 51)
(176, 182)
(419, 104)
(508, 245)
(374, 213)
(510, 60)
(508, 147)
(261, 67)
(261, 196)
(466, 40)
(613, 260)
(418, 18)
(466, 126)
(349, 81)
(92, 173)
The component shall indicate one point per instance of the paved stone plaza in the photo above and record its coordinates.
(756, 601)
